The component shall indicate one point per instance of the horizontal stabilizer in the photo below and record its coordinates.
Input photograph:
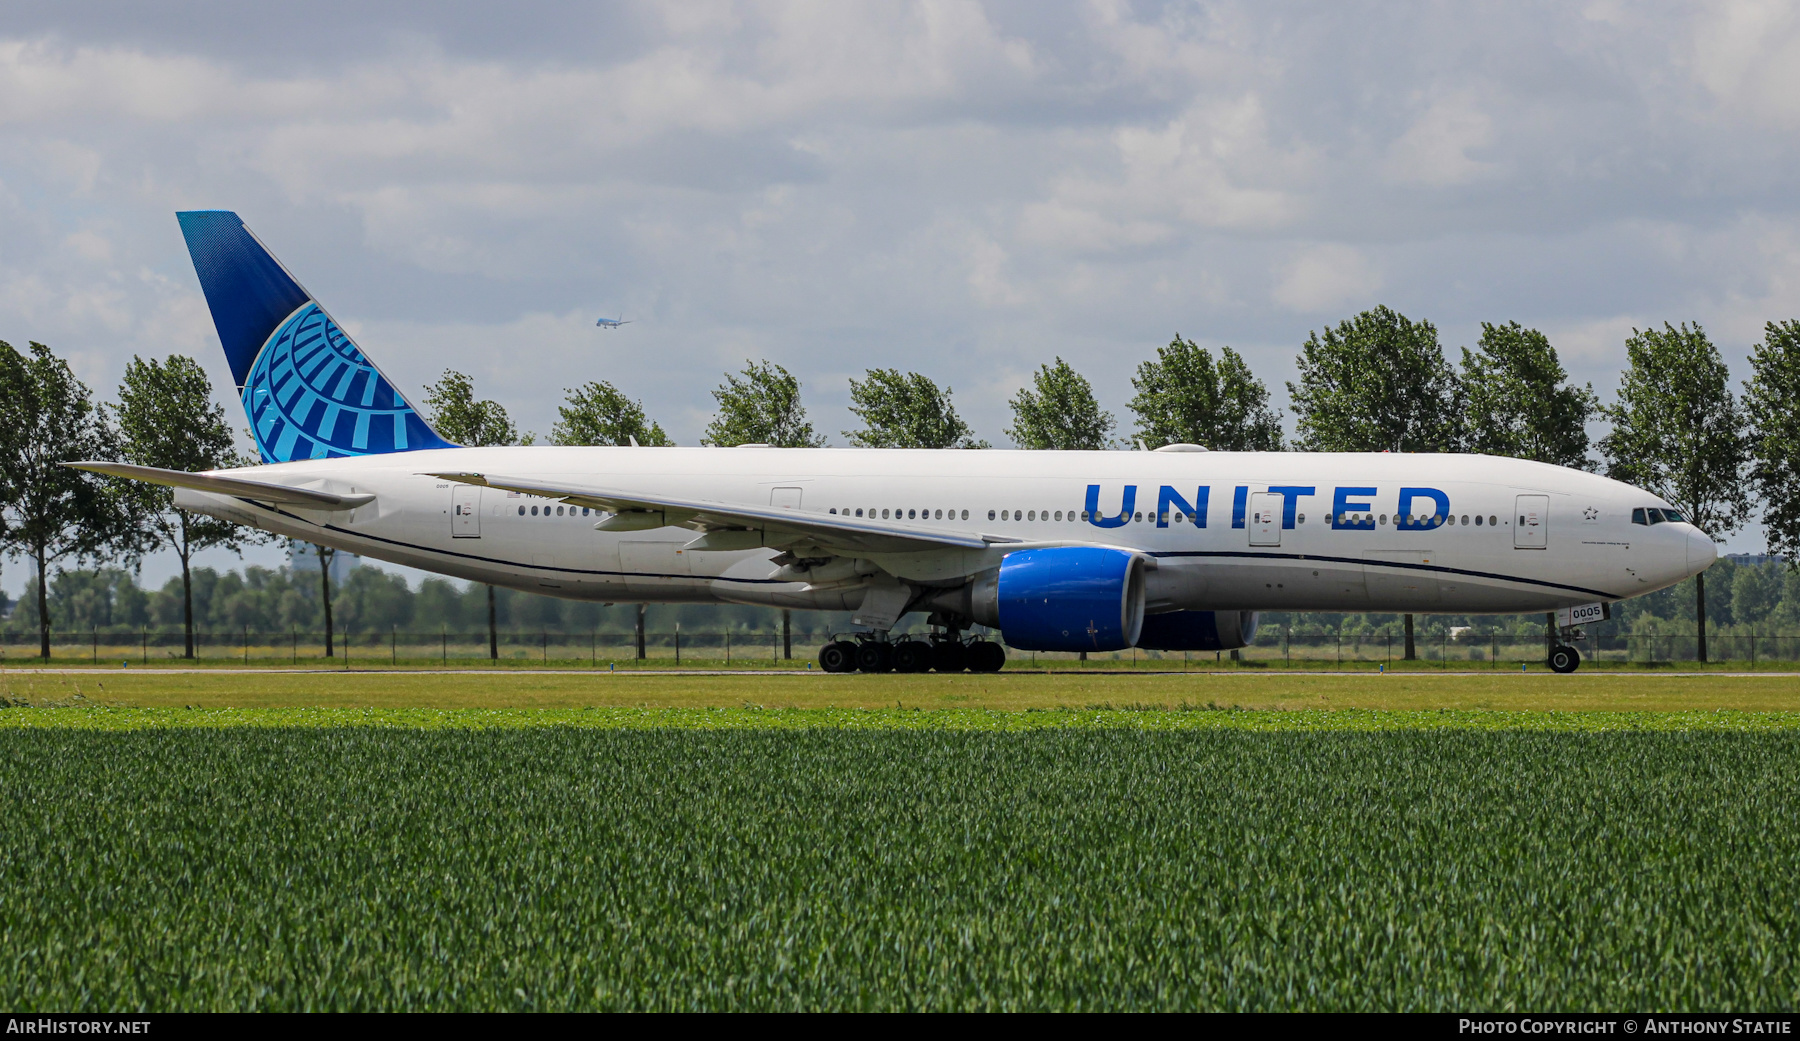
(258, 490)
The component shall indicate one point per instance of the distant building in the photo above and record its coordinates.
(1753, 559)
(303, 559)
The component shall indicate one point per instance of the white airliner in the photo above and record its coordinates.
(1174, 549)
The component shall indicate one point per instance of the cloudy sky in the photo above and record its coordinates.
(966, 190)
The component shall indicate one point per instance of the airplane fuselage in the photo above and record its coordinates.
(1462, 534)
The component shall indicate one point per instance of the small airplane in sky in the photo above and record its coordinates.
(612, 323)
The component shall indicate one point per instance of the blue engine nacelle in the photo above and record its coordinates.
(1198, 631)
(1072, 598)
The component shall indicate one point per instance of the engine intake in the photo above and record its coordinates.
(1072, 598)
(1198, 631)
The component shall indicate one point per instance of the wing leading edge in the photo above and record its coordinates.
(781, 527)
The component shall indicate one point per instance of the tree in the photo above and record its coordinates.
(478, 424)
(459, 417)
(906, 410)
(1059, 411)
(597, 413)
(760, 408)
(1377, 382)
(1678, 432)
(1772, 407)
(1183, 396)
(1515, 402)
(47, 417)
(167, 418)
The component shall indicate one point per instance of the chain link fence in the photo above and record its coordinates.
(1274, 647)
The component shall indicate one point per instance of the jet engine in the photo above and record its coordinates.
(1197, 631)
(1072, 598)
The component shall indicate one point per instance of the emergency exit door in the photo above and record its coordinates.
(465, 511)
(1265, 518)
(1531, 522)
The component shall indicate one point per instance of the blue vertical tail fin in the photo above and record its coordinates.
(309, 391)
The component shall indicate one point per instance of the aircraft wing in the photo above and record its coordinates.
(779, 525)
(261, 491)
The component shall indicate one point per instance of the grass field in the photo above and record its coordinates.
(730, 858)
(273, 840)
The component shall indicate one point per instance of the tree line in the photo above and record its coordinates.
(1377, 381)
(1760, 596)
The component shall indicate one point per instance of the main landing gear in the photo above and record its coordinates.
(943, 652)
(1564, 659)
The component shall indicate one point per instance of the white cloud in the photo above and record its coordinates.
(1435, 149)
(1747, 54)
(1327, 276)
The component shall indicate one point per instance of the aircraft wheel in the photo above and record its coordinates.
(1565, 659)
(875, 656)
(986, 656)
(838, 656)
(913, 656)
(950, 656)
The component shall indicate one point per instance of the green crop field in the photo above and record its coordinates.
(595, 857)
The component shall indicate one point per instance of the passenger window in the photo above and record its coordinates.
(1492, 520)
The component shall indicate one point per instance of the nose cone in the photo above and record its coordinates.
(1701, 552)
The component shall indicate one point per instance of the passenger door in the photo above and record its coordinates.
(1531, 522)
(1265, 519)
(465, 511)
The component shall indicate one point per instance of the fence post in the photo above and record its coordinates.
(593, 648)
(96, 644)
(146, 645)
(444, 642)
(678, 643)
(296, 632)
(544, 635)
(728, 645)
(394, 645)
(246, 644)
(1752, 650)
(1287, 646)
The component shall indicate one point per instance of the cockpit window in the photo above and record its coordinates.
(1637, 516)
(1673, 517)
